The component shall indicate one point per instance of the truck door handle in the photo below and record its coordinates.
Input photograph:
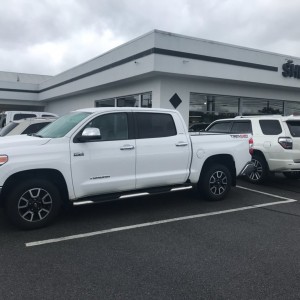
(181, 144)
(127, 147)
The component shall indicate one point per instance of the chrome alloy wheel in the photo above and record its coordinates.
(218, 183)
(258, 171)
(35, 205)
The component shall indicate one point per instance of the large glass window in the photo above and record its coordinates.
(146, 100)
(138, 100)
(261, 107)
(153, 125)
(105, 103)
(128, 101)
(291, 108)
(207, 108)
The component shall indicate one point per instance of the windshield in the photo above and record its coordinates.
(63, 125)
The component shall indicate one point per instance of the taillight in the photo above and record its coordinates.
(3, 159)
(251, 150)
(286, 142)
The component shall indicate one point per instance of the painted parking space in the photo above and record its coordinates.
(284, 200)
(164, 247)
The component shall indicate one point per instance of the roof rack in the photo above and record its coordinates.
(257, 116)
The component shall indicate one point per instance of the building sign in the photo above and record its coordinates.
(290, 70)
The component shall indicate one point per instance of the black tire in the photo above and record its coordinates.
(261, 171)
(215, 182)
(292, 175)
(33, 204)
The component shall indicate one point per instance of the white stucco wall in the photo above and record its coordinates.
(63, 106)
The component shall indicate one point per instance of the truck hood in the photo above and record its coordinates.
(21, 141)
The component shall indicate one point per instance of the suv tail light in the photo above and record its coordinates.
(286, 142)
(251, 150)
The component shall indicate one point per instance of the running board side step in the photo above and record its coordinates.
(140, 193)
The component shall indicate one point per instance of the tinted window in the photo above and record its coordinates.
(152, 125)
(270, 127)
(223, 127)
(112, 126)
(23, 116)
(294, 127)
(33, 128)
(241, 127)
(48, 116)
(198, 126)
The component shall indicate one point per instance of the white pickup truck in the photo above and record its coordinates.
(101, 154)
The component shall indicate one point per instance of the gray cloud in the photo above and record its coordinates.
(50, 36)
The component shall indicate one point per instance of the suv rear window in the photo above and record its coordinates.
(270, 127)
(294, 127)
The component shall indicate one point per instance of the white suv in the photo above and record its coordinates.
(25, 126)
(276, 143)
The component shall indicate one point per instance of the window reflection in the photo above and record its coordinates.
(138, 100)
(262, 107)
(292, 108)
(205, 108)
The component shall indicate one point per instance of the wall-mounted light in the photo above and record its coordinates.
(185, 61)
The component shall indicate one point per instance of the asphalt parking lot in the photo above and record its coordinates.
(173, 246)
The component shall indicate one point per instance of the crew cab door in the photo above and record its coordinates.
(106, 165)
(162, 150)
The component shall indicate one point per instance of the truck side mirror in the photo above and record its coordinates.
(90, 134)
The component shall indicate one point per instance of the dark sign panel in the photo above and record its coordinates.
(290, 70)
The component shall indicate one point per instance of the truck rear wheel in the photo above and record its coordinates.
(33, 204)
(215, 182)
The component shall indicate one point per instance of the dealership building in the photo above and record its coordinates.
(203, 79)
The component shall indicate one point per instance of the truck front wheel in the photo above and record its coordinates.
(33, 203)
(215, 182)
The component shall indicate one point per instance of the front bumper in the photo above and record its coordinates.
(248, 168)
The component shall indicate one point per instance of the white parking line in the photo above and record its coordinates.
(89, 234)
(263, 193)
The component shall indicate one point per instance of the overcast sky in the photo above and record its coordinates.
(51, 36)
